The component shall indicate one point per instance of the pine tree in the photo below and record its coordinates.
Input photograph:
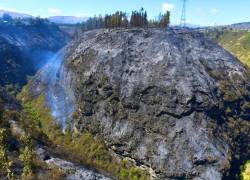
(120, 19)
(125, 21)
(166, 19)
(145, 19)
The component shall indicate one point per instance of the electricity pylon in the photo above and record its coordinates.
(183, 14)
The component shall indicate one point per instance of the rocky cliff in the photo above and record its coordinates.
(170, 100)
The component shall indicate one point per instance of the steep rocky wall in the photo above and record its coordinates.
(171, 100)
(56, 83)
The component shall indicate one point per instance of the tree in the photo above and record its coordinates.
(120, 19)
(125, 21)
(7, 17)
(166, 19)
(5, 163)
(27, 156)
(139, 18)
(145, 18)
(107, 21)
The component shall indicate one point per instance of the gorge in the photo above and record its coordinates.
(172, 103)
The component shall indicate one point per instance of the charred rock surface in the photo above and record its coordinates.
(171, 100)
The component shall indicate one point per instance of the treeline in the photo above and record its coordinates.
(38, 22)
(121, 19)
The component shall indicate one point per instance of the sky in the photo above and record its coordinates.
(198, 12)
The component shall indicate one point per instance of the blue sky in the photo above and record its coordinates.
(200, 12)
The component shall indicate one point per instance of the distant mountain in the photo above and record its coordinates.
(67, 19)
(240, 26)
(193, 25)
(54, 19)
(189, 25)
(25, 48)
(14, 14)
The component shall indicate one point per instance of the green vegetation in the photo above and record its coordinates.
(235, 106)
(120, 19)
(12, 90)
(84, 148)
(27, 156)
(237, 42)
(245, 173)
(5, 162)
(230, 94)
(129, 172)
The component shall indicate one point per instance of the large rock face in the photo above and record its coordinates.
(170, 100)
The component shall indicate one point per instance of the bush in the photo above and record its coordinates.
(245, 173)
(27, 156)
(5, 163)
(56, 174)
(129, 171)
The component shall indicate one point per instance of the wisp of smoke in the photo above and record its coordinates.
(59, 95)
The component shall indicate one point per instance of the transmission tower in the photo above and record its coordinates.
(183, 14)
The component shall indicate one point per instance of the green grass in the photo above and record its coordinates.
(236, 42)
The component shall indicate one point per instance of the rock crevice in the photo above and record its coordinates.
(162, 98)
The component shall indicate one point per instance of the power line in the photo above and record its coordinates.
(183, 14)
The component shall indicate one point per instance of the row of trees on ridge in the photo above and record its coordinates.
(121, 19)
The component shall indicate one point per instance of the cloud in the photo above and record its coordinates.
(167, 6)
(55, 11)
(8, 9)
(214, 11)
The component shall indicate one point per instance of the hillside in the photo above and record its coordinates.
(67, 19)
(240, 26)
(237, 42)
(171, 103)
(14, 14)
(27, 47)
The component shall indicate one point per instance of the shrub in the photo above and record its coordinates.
(56, 174)
(129, 171)
(245, 173)
(5, 163)
(27, 156)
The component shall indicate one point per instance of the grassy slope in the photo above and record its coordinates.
(12, 154)
(237, 42)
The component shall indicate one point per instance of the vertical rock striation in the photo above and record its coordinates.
(171, 100)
